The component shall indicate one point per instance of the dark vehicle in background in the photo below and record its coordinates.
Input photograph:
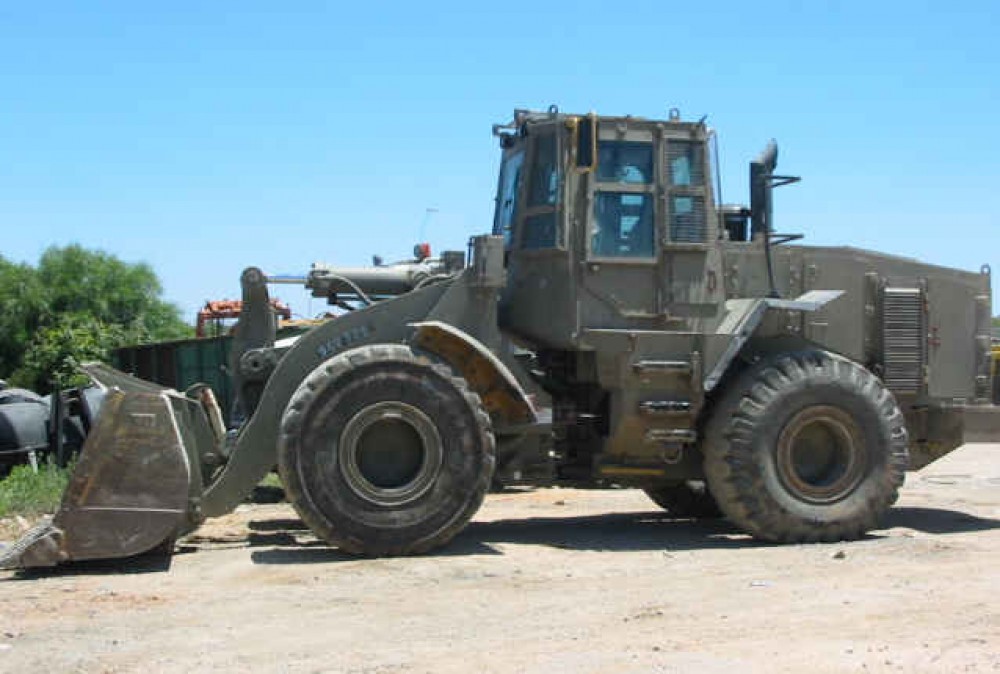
(35, 428)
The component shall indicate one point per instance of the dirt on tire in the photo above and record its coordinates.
(792, 410)
(324, 479)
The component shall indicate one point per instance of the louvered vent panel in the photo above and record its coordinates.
(686, 163)
(688, 191)
(904, 341)
(688, 220)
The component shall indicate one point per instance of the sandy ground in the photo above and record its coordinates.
(543, 581)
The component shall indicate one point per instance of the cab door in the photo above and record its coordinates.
(692, 264)
(621, 257)
(537, 303)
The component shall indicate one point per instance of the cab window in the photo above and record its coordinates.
(623, 225)
(541, 211)
(506, 209)
(544, 187)
(625, 162)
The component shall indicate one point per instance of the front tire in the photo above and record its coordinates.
(385, 452)
(806, 447)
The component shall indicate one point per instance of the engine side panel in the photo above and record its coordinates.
(890, 304)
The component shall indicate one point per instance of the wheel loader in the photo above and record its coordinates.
(619, 327)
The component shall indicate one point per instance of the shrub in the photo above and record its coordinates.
(25, 492)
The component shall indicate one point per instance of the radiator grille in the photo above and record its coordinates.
(904, 340)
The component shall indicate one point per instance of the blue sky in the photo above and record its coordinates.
(205, 137)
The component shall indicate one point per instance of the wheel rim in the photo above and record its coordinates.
(390, 453)
(821, 456)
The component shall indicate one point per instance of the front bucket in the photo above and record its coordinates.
(130, 492)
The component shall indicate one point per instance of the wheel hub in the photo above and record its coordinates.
(390, 453)
(821, 456)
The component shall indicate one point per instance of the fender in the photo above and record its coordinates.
(745, 316)
(502, 395)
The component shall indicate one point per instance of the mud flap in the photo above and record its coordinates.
(135, 485)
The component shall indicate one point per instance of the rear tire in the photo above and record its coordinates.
(687, 499)
(385, 452)
(806, 447)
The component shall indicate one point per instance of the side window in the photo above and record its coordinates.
(544, 187)
(510, 183)
(541, 212)
(687, 191)
(623, 225)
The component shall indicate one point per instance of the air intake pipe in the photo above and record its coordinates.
(761, 172)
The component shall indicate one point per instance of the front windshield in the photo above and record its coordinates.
(507, 189)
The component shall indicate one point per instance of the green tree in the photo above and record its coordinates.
(100, 286)
(77, 305)
(21, 310)
(55, 352)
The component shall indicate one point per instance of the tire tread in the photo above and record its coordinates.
(384, 543)
(733, 469)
